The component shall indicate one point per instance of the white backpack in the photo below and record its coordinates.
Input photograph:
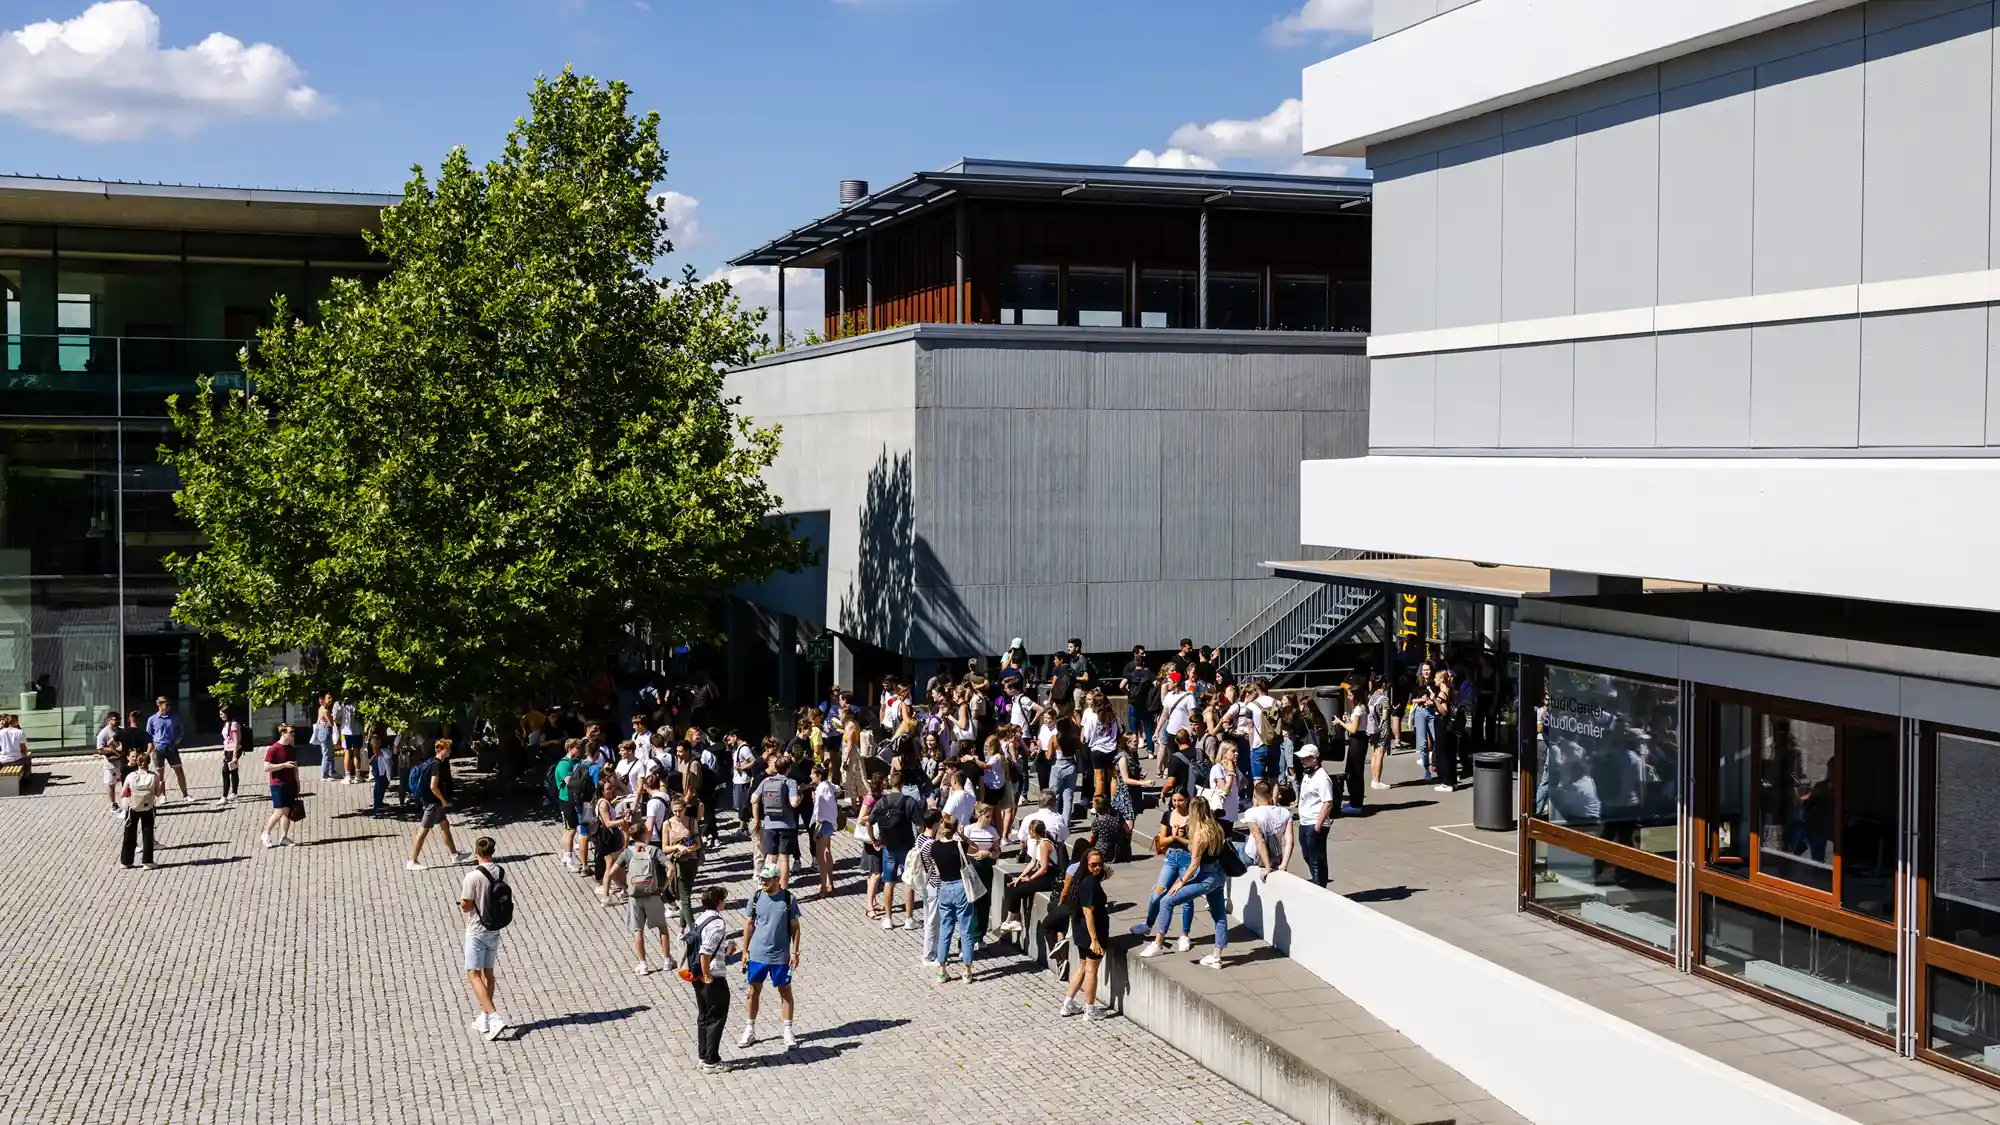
(142, 789)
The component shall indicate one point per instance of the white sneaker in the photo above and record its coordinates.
(667, 964)
(1069, 1007)
(641, 969)
(412, 865)
(221, 802)
(791, 1041)
(1096, 1012)
(888, 923)
(266, 838)
(460, 857)
(1443, 788)
(569, 861)
(1181, 944)
(287, 842)
(749, 1035)
(1011, 926)
(1378, 785)
(478, 1024)
(1152, 949)
(1213, 961)
(495, 1027)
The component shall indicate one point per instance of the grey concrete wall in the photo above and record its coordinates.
(1119, 485)
(1850, 149)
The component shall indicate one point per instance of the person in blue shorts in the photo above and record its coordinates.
(771, 949)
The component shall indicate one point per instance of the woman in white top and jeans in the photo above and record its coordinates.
(825, 822)
(1100, 739)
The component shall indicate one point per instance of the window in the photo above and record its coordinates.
(1096, 297)
(1168, 299)
(1804, 804)
(1234, 301)
(1964, 1019)
(1965, 844)
(1029, 294)
(1350, 306)
(1299, 304)
(1601, 894)
(1608, 758)
(1845, 978)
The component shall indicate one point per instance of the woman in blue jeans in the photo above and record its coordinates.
(945, 863)
(1171, 844)
(1206, 841)
(1423, 718)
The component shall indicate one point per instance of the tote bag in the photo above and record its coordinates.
(974, 886)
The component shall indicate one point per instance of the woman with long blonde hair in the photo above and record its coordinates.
(1204, 878)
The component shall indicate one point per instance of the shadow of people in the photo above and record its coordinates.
(578, 1019)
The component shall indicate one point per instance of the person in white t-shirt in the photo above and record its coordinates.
(825, 822)
(1267, 829)
(1315, 812)
(1177, 705)
(1050, 817)
(13, 741)
(1225, 789)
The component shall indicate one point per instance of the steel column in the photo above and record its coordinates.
(958, 268)
(781, 305)
(1909, 852)
(1201, 270)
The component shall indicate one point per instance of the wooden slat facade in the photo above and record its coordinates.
(914, 262)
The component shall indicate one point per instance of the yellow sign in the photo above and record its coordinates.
(1411, 623)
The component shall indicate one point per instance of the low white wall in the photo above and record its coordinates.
(1554, 1059)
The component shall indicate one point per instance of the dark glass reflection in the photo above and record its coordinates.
(1965, 846)
(1868, 821)
(1234, 302)
(1609, 758)
(1795, 835)
(1096, 297)
(1029, 294)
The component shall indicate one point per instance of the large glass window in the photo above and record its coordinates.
(1848, 979)
(1804, 803)
(1169, 299)
(1235, 301)
(1300, 304)
(1601, 894)
(58, 499)
(1030, 295)
(1965, 844)
(1351, 306)
(1096, 297)
(1608, 758)
(1795, 761)
(1964, 1019)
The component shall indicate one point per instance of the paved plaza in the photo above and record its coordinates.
(321, 983)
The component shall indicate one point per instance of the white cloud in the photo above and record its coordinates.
(1276, 135)
(757, 287)
(682, 213)
(1169, 158)
(1327, 166)
(103, 76)
(1325, 19)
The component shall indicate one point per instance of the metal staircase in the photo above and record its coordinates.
(1308, 618)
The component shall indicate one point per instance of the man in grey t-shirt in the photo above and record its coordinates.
(771, 950)
(777, 801)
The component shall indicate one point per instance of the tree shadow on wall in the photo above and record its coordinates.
(901, 597)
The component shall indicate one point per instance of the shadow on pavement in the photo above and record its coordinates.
(852, 1027)
(345, 839)
(1384, 894)
(579, 1019)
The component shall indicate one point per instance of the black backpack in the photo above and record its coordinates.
(498, 910)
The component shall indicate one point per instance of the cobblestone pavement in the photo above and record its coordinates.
(321, 983)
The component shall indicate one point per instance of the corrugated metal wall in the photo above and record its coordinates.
(1126, 494)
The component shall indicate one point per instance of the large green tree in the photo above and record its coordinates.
(500, 461)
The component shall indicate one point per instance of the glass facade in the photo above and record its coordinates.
(1808, 965)
(1609, 758)
(1634, 906)
(102, 326)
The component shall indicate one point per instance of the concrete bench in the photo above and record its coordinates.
(14, 779)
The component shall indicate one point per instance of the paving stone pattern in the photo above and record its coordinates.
(321, 983)
(1455, 885)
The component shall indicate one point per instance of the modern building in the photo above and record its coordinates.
(118, 295)
(1704, 292)
(1055, 401)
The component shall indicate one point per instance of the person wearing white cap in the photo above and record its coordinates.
(1315, 812)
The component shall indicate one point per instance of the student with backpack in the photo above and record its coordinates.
(431, 780)
(770, 950)
(777, 803)
(705, 970)
(141, 795)
(645, 885)
(892, 826)
(486, 901)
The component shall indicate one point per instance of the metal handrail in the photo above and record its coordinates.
(1277, 624)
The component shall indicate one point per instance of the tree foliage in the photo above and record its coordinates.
(493, 465)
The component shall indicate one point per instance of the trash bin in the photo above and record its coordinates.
(1493, 791)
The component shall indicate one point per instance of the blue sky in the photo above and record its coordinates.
(765, 104)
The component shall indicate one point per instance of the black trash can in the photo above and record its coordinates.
(1493, 791)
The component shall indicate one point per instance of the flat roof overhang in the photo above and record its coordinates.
(815, 243)
(107, 203)
(1440, 578)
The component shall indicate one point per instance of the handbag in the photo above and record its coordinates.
(968, 878)
(1232, 861)
(913, 871)
(296, 811)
